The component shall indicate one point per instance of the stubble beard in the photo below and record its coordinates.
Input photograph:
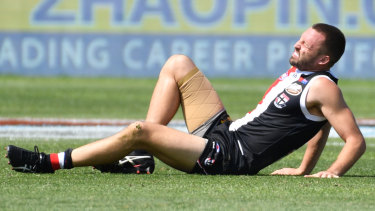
(293, 62)
(299, 63)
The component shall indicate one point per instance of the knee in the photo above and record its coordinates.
(179, 59)
(133, 135)
(136, 130)
(178, 65)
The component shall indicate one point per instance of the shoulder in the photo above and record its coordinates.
(323, 90)
(323, 85)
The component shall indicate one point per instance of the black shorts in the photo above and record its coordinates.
(222, 154)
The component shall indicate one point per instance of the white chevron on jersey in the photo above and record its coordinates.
(276, 88)
(303, 101)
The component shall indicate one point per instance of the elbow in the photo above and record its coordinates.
(362, 148)
(358, 144)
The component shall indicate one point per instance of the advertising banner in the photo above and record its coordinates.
(133, 38)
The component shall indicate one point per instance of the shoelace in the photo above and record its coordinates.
(36, 150)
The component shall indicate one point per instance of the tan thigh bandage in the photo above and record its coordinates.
(199, 100)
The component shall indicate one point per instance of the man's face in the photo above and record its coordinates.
(306, 55)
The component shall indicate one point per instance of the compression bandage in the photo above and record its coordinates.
(199, 100)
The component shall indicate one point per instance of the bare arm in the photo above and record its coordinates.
(326, 98)
(313, 151)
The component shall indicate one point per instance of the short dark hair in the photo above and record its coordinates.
(334, 44)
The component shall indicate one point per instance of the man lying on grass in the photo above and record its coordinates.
(299, 107)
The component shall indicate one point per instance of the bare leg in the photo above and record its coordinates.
(175, 148)
(181, 83)
(178, 149)
(166, 96)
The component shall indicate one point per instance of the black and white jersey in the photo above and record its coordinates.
(281, 122)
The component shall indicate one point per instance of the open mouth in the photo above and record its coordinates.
(295, 54)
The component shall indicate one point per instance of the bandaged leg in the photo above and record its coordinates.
(200, 102)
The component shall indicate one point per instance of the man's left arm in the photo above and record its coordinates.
(330, 102)
(313, 151)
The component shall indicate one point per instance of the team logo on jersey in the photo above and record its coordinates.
(294, 89)
(281, 100)
(302, 80)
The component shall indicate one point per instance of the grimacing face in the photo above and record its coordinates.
(306, 55)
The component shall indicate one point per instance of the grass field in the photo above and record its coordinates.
(128, 98)
(168, 189)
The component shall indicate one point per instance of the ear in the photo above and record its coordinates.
(324, 60)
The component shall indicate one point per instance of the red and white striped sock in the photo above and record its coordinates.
(57, 160)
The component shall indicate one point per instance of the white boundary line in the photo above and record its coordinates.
(96, 132)
(66, 121)
(60, 129)
(56, 132)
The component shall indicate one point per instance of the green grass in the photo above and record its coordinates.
(75, 97)
(120, 98)
(169, 189)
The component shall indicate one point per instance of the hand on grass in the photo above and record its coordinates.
(288, 171)
(323, 174)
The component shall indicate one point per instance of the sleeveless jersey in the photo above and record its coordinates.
(281, 122)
